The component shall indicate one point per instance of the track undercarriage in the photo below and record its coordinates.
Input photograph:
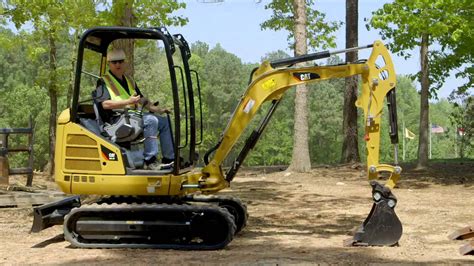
(189, 223)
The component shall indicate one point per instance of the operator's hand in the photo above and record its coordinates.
(144, 101)
(133, 99)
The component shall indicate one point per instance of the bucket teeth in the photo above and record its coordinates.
(382, 226)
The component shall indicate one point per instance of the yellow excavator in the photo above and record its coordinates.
(176, 208)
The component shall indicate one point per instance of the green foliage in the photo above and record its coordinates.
(462, 117)
(408, 107)
(325, 122)
(146, 13)
(320, 33)
(22, 97)
(448, 23)
(224, 80)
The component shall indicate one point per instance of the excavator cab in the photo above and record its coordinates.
(176, 86)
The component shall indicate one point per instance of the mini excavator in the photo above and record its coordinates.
(177, 208)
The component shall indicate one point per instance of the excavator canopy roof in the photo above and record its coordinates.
(99, 38)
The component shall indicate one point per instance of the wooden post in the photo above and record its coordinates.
(5, 171)
(4, 160)
(31, 139)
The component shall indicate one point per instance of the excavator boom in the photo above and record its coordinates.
(270, 84)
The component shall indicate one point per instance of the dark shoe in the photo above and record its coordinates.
(166, 160)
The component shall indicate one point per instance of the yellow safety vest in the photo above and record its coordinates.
(116, 91)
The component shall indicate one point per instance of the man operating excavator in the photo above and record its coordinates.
(118, 91)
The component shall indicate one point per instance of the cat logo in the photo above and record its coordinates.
(107, 154)
(302, 76)
(305, 76)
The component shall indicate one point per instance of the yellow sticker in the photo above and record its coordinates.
(269, 84)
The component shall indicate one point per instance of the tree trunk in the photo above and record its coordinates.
(300, 161)
(53, 99)
(72, 72)
(127, 20)
(350, 146)
(424, 105)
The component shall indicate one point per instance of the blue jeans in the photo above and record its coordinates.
(152, 126)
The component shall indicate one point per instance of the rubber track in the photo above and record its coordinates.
(222, 200)
(233, 204)
(103, 209)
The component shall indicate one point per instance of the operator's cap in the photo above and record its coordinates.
(115, 55)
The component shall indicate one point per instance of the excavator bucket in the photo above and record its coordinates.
(382, 227)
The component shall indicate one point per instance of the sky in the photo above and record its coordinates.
(235, 25)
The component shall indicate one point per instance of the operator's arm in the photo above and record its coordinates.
(111, 104)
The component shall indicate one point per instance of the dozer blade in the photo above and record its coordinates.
(382, 227)
(53, 213)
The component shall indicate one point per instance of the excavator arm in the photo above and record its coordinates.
(271, 81)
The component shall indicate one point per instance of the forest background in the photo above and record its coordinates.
(26, 88)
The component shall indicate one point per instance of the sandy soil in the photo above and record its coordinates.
(294, 219)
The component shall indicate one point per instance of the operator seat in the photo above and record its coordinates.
(127, 133)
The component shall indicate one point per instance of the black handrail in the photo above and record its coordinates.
(198, 84)
(185, 107)
(313, 56)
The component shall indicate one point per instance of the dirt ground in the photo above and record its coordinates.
(294, 219)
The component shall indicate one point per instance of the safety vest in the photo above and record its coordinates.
(116, 91)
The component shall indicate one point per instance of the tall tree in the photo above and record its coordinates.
(300, 161)
(423, 144)
(145, 13)
(350, 146)
(421, 23)
(125, 16)
(305, 26)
